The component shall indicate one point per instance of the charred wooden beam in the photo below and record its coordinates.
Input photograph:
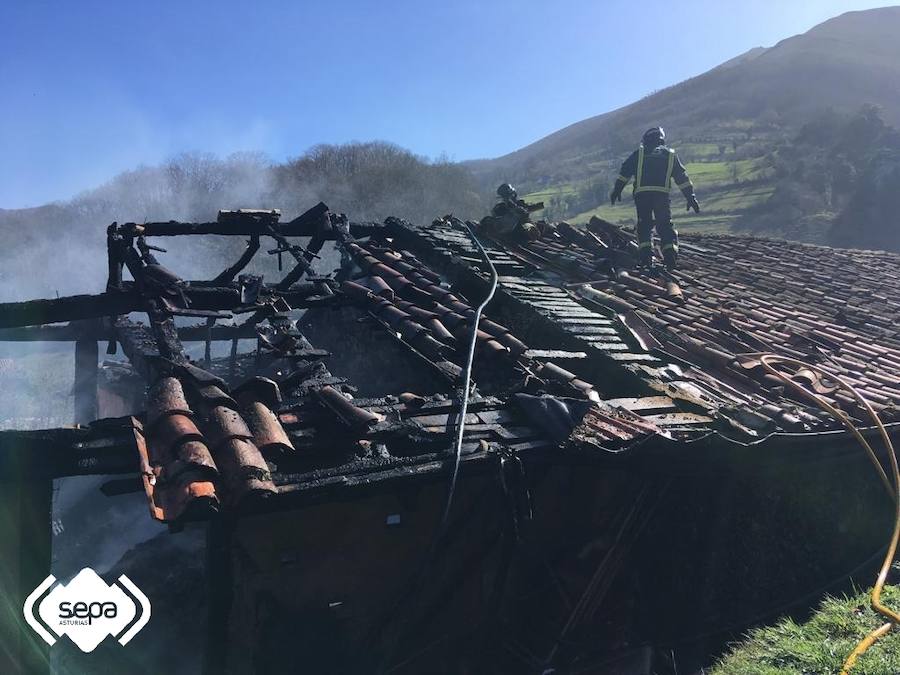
(304, 225)
(68, 308)
(166, 335)
(231, 272)
(114, 303)
(70, 332)
(220, 589)
(360, 230)
(111, 303)
(212, 297)
(115, 246)
(75, 331)
(104, 447)
(86, 374)
(302, 257)
(139, 346)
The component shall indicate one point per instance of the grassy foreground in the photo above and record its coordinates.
(819, 646)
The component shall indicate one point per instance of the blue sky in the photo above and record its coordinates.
(89, 89)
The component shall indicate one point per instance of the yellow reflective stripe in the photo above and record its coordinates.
(646, 244)
(685, 184)
(624, 179)
(652, 188)
(640, 168)
(670, 247)
(668, 181)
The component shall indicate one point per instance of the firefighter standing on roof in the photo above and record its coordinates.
(654, 166)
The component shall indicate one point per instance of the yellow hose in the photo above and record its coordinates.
(767, 360)
(864, 644)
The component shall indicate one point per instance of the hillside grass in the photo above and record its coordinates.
(820, 645)
(727, 172)
(727, 188)
(720, 210)
(705, 150)
(560, 190)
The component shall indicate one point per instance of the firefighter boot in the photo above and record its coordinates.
(670, 256)
(645, 254)
(669, 236)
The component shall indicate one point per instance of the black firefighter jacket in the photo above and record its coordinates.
(654, 170)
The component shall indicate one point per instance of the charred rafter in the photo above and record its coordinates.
(238, 223)
(92, 330)
(113, 303)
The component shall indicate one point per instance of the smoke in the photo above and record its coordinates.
(60, 248)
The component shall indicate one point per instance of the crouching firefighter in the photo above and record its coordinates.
(654, 166)
(511, 216)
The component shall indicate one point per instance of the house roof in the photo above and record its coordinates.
(733, 299)
(579, 352)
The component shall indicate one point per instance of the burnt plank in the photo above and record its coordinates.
(68, 308)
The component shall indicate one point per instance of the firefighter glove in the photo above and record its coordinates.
(615, 196)
(692, 203)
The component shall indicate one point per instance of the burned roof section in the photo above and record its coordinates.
(696, 334)
(579, 355)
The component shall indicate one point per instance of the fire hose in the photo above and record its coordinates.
(893, 489)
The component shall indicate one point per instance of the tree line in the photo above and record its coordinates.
(367, 181)
(837, 182)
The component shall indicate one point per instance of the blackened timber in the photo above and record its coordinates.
(139, 346)
(230, 273)
(75, 331)
(212, 297)
(290, 229)
(304, 225)
(298, 296)
(68, 308)
(70, 332)
(168, 344)
(114, 303)
(104, 447)
(114, 257)
(360, 230)
(303, 261)
(110, 303)
(220, 589)
(87, 354)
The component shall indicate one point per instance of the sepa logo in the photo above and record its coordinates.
(87, 610)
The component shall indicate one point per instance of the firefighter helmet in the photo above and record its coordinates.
(653, 137)
(506, 191)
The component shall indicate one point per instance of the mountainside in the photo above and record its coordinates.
(755, 133)
(842, 63)
(727, 123)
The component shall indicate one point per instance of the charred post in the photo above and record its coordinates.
(86, 374)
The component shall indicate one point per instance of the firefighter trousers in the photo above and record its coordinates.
(654, 209)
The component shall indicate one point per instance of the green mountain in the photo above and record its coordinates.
(733, 125)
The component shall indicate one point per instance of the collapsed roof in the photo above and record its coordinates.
(578, 355)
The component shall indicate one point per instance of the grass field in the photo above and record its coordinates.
(820, 645)
(727, 172)
(560, 190)
(707, 150)
(720, 209)
(727, 189)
